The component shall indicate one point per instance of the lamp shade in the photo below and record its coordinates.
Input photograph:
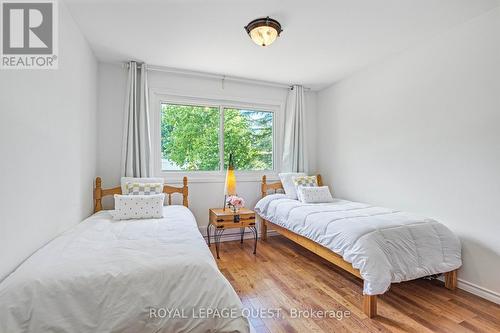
(230, 185)
(264, 31)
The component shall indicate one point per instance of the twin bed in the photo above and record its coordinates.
(379, 245)
(149, 275)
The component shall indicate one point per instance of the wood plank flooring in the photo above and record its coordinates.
(285, 276)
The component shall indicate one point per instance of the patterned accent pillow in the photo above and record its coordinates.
(150, 180)
(305, 181)
(138, 206)
(315, 194)
(143, 188)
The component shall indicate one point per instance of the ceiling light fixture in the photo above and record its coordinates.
(264, 30)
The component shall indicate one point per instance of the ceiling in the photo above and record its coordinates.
(323, 40)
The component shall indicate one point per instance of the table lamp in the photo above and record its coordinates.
(230, 185)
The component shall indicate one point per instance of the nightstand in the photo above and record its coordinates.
(221, 220)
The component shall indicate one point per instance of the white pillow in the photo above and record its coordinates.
(138, 206)
(288, 185)
(315, 194)
(125, 180)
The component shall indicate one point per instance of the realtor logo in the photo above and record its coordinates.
(29, 34)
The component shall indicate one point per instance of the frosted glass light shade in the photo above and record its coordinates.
(263, 36)
(264, 31)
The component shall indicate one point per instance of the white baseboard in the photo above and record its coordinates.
(479, 291)
(476, 290)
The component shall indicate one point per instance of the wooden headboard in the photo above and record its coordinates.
(99, 192)
(265, 187)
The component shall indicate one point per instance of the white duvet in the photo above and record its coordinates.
(384, 244)
(111, 276)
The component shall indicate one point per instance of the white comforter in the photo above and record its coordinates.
(106, 276)
(384, 244)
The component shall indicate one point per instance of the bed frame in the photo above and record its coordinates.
(99, 193)
(369, 301)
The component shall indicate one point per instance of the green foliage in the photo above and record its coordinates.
(190, 137)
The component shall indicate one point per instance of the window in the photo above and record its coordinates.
(201, 137)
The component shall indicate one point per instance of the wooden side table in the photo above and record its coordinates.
(221, 220)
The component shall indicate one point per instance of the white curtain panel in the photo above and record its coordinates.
(136, 146)
(294, 149)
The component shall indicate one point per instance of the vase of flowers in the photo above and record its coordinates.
(235, 203)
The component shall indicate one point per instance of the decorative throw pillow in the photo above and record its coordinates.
(143, 188)
(315, 194)
(288, 185)
(125, 180)
(306, 181)
(138, 206)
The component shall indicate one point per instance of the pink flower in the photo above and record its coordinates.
(235, 201)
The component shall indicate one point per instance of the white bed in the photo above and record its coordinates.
(385, 245)
(107, 276)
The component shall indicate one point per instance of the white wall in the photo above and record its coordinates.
(47, 147)
(202, 194)
(421, 132)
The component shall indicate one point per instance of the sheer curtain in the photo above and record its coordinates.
(136, 146)
(294, 149)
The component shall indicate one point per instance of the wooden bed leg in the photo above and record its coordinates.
(263, 230)
(450, 280)
(370, 305)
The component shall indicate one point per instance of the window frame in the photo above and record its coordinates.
(159, 97)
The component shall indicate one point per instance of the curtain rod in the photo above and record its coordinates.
(187, 72)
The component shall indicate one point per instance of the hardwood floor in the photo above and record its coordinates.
(287, 277)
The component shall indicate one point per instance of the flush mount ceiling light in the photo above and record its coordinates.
(264, 30)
